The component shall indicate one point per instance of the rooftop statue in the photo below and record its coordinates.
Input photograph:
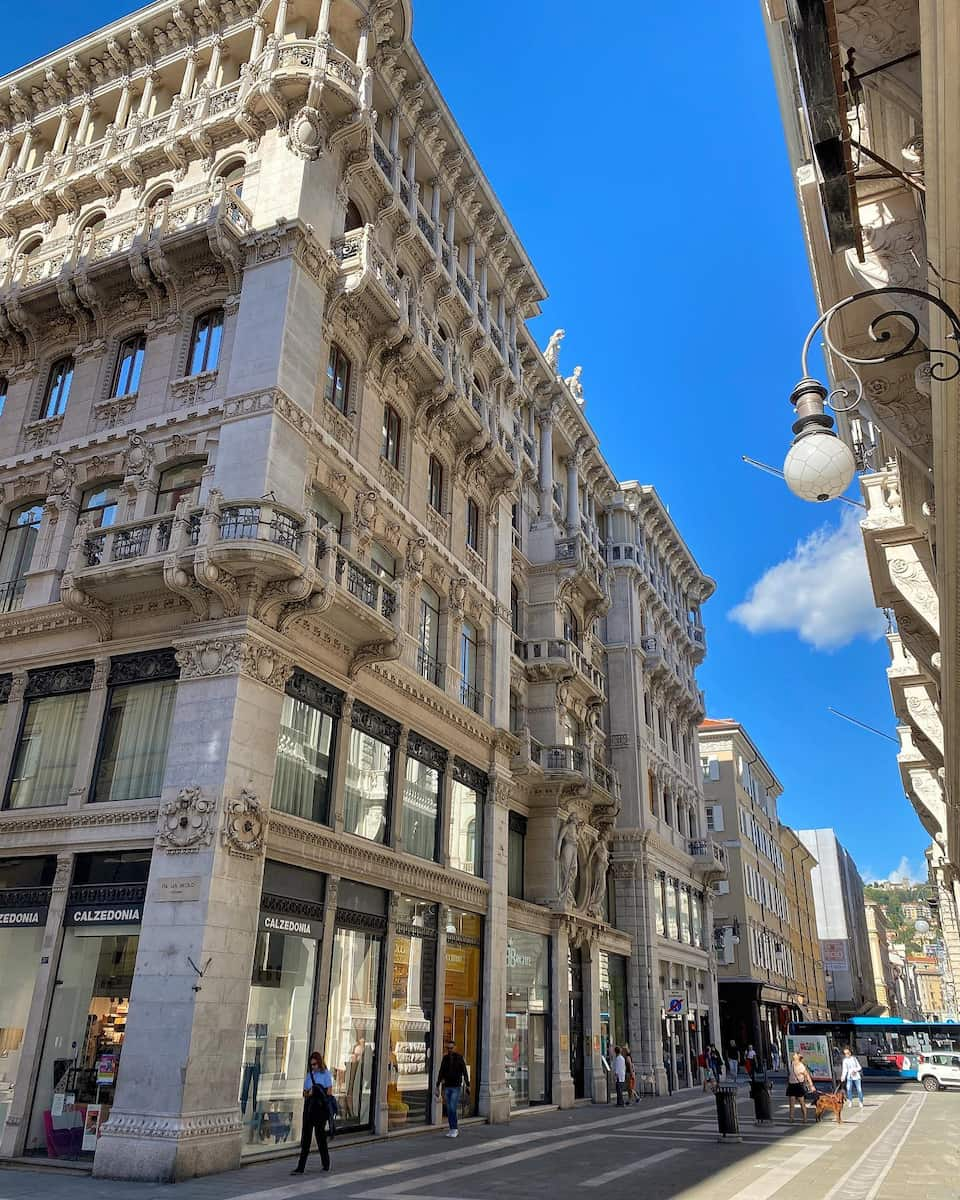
(552, 352)
(575, 385)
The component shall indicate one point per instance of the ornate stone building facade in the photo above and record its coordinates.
(665, 862)
(876, 180)
(302, 681)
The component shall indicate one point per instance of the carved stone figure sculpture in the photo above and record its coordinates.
(597, 876)
(567, 858)
(575, 385)
(552, 352)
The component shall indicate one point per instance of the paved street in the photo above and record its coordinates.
(901, 1147)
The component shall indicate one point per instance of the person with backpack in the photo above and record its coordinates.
(454, 1079)
(317, 1087)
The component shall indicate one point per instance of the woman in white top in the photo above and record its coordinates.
(799, 1085)
(851, 1073)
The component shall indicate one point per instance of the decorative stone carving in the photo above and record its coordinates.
(62, 477)
(244, 826)
(186, 824)
(552, 352)
(306, 137)
(233, 656)
(138, 457)
(568, 864)
(575, 386)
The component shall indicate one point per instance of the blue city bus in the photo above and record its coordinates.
(888, 1047)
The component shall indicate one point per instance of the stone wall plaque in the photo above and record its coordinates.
(176, 890)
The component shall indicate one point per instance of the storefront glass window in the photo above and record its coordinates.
(46, 757)
(367, 787)
(527, 1032)
(421, 806)
(411, 1013)
(82, 1048)
(277, 1041)
(302, 779)
(461, 999)
(466, 835)
(135, 740)
(658, 905)
(613, 1003)
(673, 926)
(352, 1023)
(696, 901)
(683, 896)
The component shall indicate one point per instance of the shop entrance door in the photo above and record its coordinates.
(538, 1057)
(460, 1024)
(575, 975)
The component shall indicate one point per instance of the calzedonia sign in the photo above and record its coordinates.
(294, 926)
(23, 918)
(121, 913)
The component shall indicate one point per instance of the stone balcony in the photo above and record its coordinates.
(579, 552)
(564, 766)
(709, 857)
(916, 700)
(553, 658)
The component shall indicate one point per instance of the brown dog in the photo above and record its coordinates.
(830, 1102)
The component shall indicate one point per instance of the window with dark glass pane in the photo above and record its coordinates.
(421, 808)
(58, 389)
(435, 484)
(390, 449)
(205, 343)
(466, 829)
(99, 506)
(382, 562)
(45, 760)
(473, 525)
(429, 635)
(301, 784)
(516, 851)
(177, 483)
(469, 666)
(19, 541)
(337, 390)
(133, 754)
(3, 394)
(366, 790)
(126, 377)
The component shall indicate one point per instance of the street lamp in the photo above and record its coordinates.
(819, 466)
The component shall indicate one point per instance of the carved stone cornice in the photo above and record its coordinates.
(86, 818)
(235, 654)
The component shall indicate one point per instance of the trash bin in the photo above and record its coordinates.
(728, 1124)
(760, 1095)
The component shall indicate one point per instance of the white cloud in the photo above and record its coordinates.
(821, 592)
(905, 873)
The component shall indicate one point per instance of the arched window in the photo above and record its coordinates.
(30, 247)
(354, 218)
(571, 626)
(390, 447)
(126, 375)
(232, 175)
(473, 525)
(337, 388)
(57, 392)
(19, 540)
(91, 222)
(162, 193)
(435, 484)
(205, 342)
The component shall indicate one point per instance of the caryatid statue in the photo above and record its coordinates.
(568, 844)
(552, 352)
(597, 879)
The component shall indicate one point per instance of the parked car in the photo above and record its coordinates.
(937, 1071)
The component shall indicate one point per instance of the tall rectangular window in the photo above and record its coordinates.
(16, 556)
(179, 483)
(428, 634)
(98, 507)
(435, 484)
(45, 759)
(422, 789)
(466, 828)
(58, 389)
(683, 898)
(470, 693)
(126, 376)
(390, 445)
(659, 904)
(206, 342)
(136, 734)
(673, 924)
(516, 854)
(337, 388)
(473, 525)
(366, 791)
(304, 771)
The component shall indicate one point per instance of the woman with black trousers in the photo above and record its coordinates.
(316, 1088)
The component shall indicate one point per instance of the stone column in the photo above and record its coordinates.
(381, 1111)
(341, 749)
(326, 963)
(363, 45)
(397, 781)
(10, 733)
(439, 998)
(123, 107)
(25, 147)
(546, 464)
(6, 154)
(13, 1134)
(595, 1081)
(176, 1113)
(573, 495)
(60, 139)
(280, 25)
(494, 1095)
(83, 127)
(259, 37)
(53, 544)
(146, 96)
(411, 173)
(561, 1083)
(323, 25)
(190, 74)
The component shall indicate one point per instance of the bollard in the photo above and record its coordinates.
(728, 1124)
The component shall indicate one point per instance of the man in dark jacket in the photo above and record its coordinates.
(453, 1078)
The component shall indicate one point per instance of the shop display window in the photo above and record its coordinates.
(352, 1024)
(461, 999)
(411, 1013)
(527, 1020)
(20, 951)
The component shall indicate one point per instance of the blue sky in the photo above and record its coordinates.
(640, 157)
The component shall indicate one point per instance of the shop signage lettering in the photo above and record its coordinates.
(296, 926)
(91, 914)
(27, 918)
(516, 959)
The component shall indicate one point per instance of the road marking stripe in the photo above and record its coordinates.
(650, 1159)
(292, 1191)
(866, 1174)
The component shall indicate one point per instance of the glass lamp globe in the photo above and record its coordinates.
(922, 926)
(819, 467)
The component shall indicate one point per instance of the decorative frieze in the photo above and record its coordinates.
(234, 656)
(84, 819)
(205, 1125)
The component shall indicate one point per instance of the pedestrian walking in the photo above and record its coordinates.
(317, 1087)
(632, 1093)
(851, 1073)
(799, 1085)
(619, 1073)
(775, 1057)
(454, 1079)
(733, 1059)
(716, 1062)
(750, 1061)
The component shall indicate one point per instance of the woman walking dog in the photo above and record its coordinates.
(799, 1085)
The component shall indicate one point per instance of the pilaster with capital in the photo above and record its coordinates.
(494, 1095)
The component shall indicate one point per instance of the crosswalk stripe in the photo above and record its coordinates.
(618, 1172)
